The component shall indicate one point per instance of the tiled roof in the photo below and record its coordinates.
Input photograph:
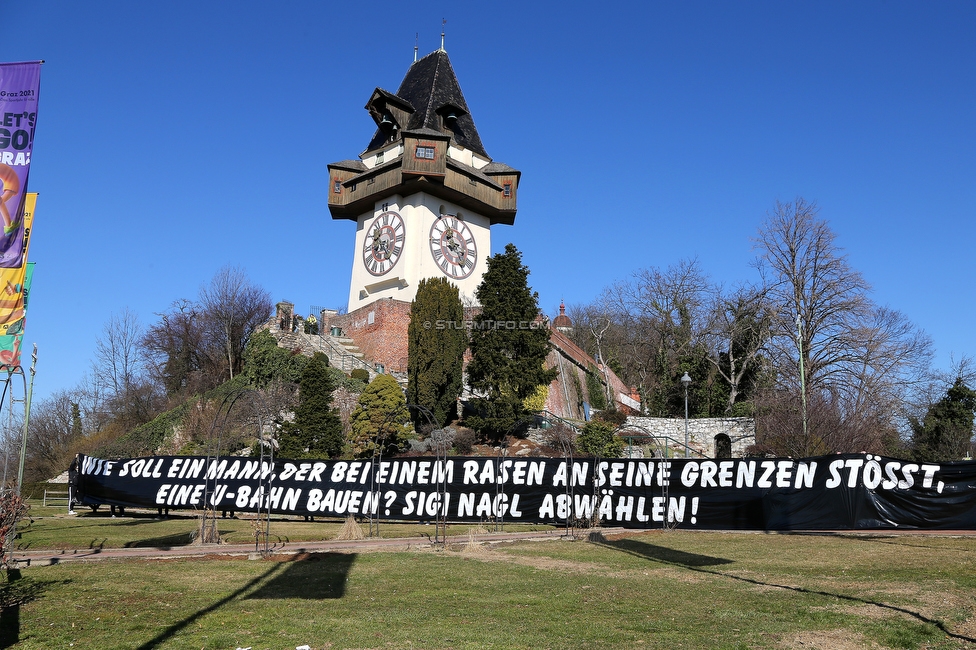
(498, 168)
(353, 165)
(432, 88)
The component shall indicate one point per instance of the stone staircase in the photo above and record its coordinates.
(342, 351)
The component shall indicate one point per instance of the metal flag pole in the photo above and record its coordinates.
(27, 406)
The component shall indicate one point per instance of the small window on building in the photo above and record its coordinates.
(379, 158)
(507, 190)
(425, 151)
(337, 187)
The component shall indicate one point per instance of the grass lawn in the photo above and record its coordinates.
(636, 590)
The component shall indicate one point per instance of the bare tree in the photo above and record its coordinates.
(232, 307)
(119, 366)
(55, 425)
(182, 356)
(736, 336)
(118, 356)
(92, 395)
(857, 359)
(808, 278)
(659, 317)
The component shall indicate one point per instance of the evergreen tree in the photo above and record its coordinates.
(264, 361)
(597, 439)
(947, 430)
(317, 429)
(508, 346)
(436, 341)
(380, 417)
(595, 389)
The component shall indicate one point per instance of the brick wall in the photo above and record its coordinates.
(380, 331)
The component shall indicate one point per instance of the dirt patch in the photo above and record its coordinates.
(827, 640)
(544, 563)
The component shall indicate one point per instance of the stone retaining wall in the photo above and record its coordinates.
(702, 433)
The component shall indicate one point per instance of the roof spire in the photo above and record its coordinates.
(443, 22)
(416, 42)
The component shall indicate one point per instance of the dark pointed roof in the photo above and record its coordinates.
(432, 90)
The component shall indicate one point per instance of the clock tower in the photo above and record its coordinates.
(424, 194)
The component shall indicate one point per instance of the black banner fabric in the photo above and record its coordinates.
(842, 492)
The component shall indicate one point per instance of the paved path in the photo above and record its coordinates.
(22, 559)
(48, 557)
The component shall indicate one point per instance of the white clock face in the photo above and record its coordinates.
(383, 243)
(452, 245)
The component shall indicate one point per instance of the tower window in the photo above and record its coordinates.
(379, 158)
(337, 187)
(507, 190)
(425, 151)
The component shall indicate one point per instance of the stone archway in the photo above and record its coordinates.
(723, 446)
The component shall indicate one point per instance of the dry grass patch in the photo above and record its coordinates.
(828, 640)
(351, 530)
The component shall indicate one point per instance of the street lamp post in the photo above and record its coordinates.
(685, 379)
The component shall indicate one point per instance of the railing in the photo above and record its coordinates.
(346, 361)
(56, 497)
(674, 445)
(550, 416)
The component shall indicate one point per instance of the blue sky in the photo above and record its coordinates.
(176, 138)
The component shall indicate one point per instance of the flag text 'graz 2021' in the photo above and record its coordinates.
(19, 89)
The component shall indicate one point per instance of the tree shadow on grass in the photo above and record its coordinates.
(15, 591)
(301, 577)
(663, 553)
(694, 562)
(164, 542)
(312, 576)
(897, 540)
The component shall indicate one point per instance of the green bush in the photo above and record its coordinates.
(611, 416)
(464, 441)
(597, 439)
(361, 374)
(598, 397)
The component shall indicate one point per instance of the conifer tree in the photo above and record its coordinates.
(264, 361)
(597, 439)
(317, 429)
(436, 341)
(380, 419)
(508, 345)
(946, 432)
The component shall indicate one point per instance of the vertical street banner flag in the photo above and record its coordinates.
(12, 344)
(12, 280)
(19, 88)
(14, 291)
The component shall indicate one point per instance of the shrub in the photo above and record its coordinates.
(611, 416)
(597, 439)
(361, 374)
(464, 440)
(598, 397)
(558, 440)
